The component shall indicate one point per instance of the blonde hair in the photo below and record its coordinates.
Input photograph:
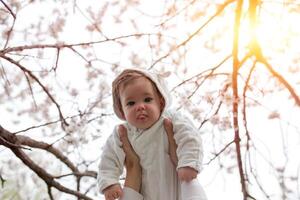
(122, 80)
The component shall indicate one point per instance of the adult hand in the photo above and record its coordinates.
(172, 144)
(113, 192)
(132, 162)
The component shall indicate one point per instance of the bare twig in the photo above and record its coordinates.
(224, 89)
(77, 174)
(9, 33)
(281, 79)
(6, 82)
(178, 12)
(211, 70)
(219, 153)
(219, 11)
(30, 88)
(50, 193)
(246, 86)
(9, 9)
(62, 45)
(80, 55)
(56, 61)
(95, 25)
(40, 84)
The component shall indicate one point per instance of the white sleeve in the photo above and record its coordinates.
(188, 140)
(130, 194)
(111, 163)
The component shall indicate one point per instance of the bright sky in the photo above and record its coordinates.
(267, 134)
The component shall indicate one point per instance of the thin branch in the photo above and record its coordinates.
(256, 178)
(92, 174)
(219, 11)
(219, 153)
(50, 193)
(90, 187)
(62, 45)
(204, 79)
(80, 55)
(281, 80)
(56, 61)
(246, 86)
(3, 74)
(49, 123)
(9, 9)
(218, 107)
(87, 18)
(30, 88)
(211, 70)
(9, 33)
(261, 187)
(6, 82)
(178, 12)
(40, 84)
(38, 126)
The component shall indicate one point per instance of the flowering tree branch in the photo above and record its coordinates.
(14, 142)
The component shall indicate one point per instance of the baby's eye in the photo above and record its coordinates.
(148, 99)
(130, 103)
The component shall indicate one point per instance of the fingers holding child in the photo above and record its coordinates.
(172, 144)
(131, 158)
(184, 173)
(113, 192)
(132, 162)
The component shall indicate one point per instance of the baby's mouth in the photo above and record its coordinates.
(141, 117)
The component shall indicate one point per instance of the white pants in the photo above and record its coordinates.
(190, 191)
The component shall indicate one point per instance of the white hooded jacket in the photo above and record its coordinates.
(159, 177)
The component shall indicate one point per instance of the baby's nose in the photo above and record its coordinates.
(141, 106)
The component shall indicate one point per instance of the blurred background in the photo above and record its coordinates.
(232, 66)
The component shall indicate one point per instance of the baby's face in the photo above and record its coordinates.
(141, 103)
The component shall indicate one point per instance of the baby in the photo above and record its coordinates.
(141, 99)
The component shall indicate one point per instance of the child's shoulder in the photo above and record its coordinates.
(173, 114)
(177, 115)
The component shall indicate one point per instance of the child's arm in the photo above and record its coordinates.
(190, 187)
(189, 146)
(184, 173)
(111, 163)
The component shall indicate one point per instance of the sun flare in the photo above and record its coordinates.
(274, 29)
